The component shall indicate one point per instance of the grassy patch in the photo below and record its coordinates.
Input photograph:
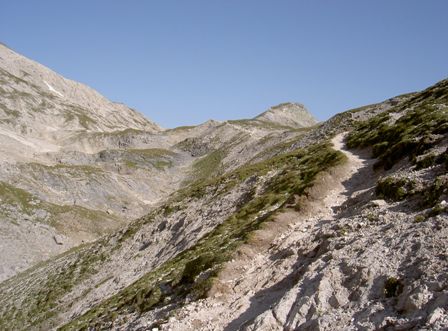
(208, 165)
(72, 169)
(53, 214)
(179, 129)
(267, 125)
(140, 158)
(119, 133)
(130, 164)
(151, 152)
(432, 159)
(162, 164)
(13, 195)
(426, 161)
(80, 115)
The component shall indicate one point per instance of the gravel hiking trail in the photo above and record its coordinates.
(263, 269)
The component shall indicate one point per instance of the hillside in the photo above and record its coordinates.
(75, 166)
(271, 223)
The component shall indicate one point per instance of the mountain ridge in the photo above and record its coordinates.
(236, 225)
(82, 175)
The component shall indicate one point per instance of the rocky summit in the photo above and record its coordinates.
(280, 222)
(288, 114)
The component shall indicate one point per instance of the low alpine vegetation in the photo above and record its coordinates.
(414, 131)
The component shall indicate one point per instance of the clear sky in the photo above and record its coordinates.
(183, 62)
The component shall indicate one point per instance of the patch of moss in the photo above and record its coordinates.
(74, 169)
(437, 210)
(419, 218)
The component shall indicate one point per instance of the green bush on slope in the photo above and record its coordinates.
(394, 189)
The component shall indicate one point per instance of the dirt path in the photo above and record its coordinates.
(263, 270)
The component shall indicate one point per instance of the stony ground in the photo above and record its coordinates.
(328, 267)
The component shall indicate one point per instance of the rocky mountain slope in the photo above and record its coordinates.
(274, 223)
(367, 249)
(75, 166)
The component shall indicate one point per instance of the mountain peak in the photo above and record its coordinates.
(288, 114)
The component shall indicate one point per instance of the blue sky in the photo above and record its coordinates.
(183, 62)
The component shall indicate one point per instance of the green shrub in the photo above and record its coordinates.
(419, 218)
(437, 210)
(443, 159)
(435, 191)
(146, 298)
(194, 267)
(426, 162)
(394, 189)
